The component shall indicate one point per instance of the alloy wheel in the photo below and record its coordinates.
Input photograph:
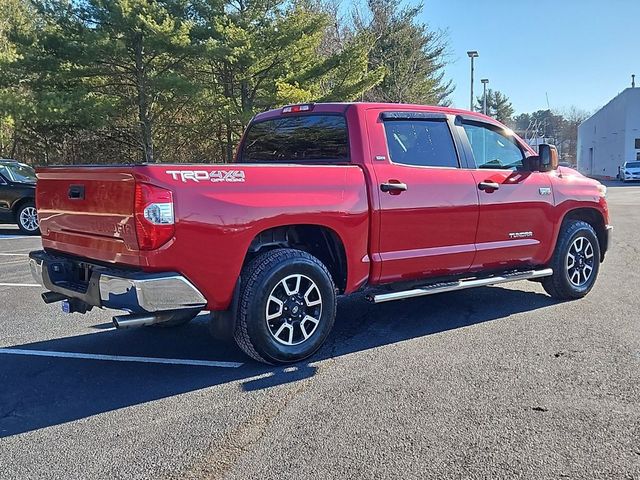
(580, 261)
(294, 309)
(29, 219)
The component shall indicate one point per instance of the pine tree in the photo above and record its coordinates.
(412, 54)
(37, 95)
(498, 106)
(14, 19)
(177, 80)
(257, 56)
(95, 61)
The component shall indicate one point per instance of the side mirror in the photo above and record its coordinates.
(548, 155)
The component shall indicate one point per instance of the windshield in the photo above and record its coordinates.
(18, 172)
(633, 165)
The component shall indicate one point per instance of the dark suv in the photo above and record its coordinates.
(17, 196)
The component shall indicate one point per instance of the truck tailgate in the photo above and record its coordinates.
(89, 211)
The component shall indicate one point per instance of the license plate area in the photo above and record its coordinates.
(70, 275)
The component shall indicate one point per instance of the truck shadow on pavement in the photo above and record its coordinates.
(39, 392)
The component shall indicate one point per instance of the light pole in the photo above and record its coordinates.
(472, 54)
(484, 95)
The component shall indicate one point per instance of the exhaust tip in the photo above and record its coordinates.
(134, 321)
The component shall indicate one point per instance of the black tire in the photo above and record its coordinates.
(274, 274)
(24, 218)
(565, 283)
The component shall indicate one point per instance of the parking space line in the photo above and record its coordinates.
(120, 358)
(20, 285)
(16, 237)
(14, 254)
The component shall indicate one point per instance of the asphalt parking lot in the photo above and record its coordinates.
(497, 382)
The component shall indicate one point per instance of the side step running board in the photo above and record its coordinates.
(459, 285)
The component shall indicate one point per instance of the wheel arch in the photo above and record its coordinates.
(321, 241)
(593, 217)
(15, 208)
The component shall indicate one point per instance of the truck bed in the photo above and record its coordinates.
(89, 212)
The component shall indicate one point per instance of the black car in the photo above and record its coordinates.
(17, 196)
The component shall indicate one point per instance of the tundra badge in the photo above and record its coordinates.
(520, 234)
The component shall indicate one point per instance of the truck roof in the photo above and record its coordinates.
(341, 107)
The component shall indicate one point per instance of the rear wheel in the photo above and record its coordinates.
(287, 306)
(575, 262)
(27, 219)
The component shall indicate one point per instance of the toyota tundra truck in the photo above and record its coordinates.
(322, 200)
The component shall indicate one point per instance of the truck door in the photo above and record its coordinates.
(6, 198)
(516, 205)
(427, 205)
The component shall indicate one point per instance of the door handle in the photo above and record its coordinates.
(488, 185)
(393, 187)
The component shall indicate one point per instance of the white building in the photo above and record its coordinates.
(611, 136)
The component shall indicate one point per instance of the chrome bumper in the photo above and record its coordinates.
(100, 286)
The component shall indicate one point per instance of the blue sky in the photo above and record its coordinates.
(579, 52)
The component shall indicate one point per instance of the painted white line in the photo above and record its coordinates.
(7, 263)
(16, 237)
(121, 358)
(14, 254)
(20, 285)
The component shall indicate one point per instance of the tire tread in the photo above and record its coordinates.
(251, 275)
(554, 284)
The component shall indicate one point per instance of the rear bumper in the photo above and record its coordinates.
(120, 289)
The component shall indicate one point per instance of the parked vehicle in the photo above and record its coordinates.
(395, 200)
(629, 171)
(17, 196)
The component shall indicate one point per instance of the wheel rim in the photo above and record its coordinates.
(294, 309)
(29, 219)
(580, 261)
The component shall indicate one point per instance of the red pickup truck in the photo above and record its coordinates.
(322, 200)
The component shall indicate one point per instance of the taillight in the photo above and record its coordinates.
(154, 216)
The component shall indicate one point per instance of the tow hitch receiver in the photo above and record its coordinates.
(73, 305)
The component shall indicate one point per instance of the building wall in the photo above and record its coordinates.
(611, 133)
(633, 129)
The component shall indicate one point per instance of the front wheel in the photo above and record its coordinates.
(575, 262)
(27, 218)
(287, 306)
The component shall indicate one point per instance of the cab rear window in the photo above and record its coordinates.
(297, 139)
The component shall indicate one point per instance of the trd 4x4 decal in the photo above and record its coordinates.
(207, 176)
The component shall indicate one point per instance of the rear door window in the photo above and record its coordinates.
(297, 139)
(421, 143)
